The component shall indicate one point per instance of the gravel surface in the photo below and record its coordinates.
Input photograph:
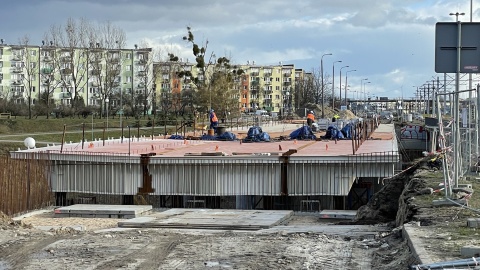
(24, 247)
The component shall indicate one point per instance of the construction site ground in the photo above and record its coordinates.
(304, 241)
(404, 206)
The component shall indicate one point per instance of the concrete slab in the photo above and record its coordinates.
(338, 214)
(79, 228)
(102, 211)
(31, 214)
(354, 231)
(216, 219)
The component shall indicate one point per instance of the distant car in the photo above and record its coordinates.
(386, 115)
(371, 114)
(418, 117)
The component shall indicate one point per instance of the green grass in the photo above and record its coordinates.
(17, 129)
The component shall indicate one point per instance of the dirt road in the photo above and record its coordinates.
(29, 248)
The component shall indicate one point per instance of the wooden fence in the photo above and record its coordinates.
(24, 184)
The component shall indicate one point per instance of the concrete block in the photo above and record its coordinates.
(473, 222)
(465, 186)
(470, 251)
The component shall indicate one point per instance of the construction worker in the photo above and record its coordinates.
(213, 120)
(310, 118)
(335, 117)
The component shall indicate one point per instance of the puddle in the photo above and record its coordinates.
(215, 264)
(3, 265)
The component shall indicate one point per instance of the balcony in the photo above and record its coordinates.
(47, 58)
(17, 82)
(95, 72)
(17, 57)
(46, 70)
(65, 95)
(65, 71)
(17, 69)
(114, 60)
(17, 94)
(254, 74)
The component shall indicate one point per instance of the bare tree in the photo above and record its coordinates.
(5, 96)
(48, 81)
(69, 60)
(25, 67)
(105, 65)
(146, 75)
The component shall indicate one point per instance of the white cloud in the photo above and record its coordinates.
(390, 41)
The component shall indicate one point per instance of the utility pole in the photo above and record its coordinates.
(323, 84)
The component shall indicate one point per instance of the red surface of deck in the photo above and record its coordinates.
(381, 141)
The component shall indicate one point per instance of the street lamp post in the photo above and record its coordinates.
(282, 109)
(106, 104)
(323, 85)
(362, 91)
(346, 83)
(333, 83)
(340, 87)
(121, 107)
(365, 95)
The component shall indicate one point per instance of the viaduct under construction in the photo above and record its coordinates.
(300, 175)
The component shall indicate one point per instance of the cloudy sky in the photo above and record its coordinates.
(389, 42)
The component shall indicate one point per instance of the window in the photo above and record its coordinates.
(128, 79)
(128, 68)
(32, 88)
(33, 52)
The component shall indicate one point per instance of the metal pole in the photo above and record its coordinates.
(346, 84)
(333, 83)
(456, 134)
(477, 116)
(281, 90)
(340, 87)
(323, 84)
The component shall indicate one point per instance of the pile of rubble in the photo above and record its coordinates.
(7, 223)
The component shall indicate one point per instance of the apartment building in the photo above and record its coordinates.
(92, 75)
(267, 87)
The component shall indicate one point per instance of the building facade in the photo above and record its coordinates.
(94, 76)
(129, 78)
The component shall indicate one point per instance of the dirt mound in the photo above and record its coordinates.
(329, 112)
(385, 204)
(7, 223)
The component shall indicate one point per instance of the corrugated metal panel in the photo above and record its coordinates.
(216, 176)
(220, 179)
